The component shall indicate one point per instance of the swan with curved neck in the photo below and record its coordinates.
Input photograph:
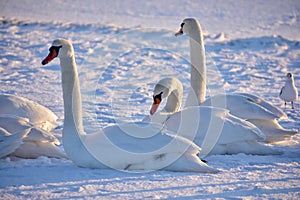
(170, 88)
(118, 146)
(245, 106)
(216, 131)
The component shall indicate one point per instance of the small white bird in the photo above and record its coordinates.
(289, 92)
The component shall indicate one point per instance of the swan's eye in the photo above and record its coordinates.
(157, 98)
(56, 49)
(181, 25)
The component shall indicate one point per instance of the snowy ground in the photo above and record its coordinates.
(122, 48)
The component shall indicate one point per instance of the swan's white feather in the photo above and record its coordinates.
(25, 108)
(10, 142)
(37, 142)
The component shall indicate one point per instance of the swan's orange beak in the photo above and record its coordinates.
(52, 54)
(156, 102)
(154, 108)
(180, 32)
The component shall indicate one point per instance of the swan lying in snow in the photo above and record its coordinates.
(289, 92)
(37, 142)
(119, 146)
(245, 106)
(215, 130)
(19, 113)
(10, 142)
(37, 114)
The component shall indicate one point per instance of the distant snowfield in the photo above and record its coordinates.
(122, 49)
(234, 17)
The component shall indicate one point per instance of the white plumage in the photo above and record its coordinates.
(244, 106)
(36, 114)
(214, 129)
(10, 142)
(37, 142)
(289, 92)
(123, 147)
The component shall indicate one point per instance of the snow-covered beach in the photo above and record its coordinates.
(122, 49)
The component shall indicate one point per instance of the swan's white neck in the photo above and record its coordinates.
(173, 102)
(198, 69)
(71, 96)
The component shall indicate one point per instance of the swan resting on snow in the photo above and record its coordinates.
(118, 146)
(245, 106)
(37, 142)
(19, 113)
(289, 92)
(215, 130)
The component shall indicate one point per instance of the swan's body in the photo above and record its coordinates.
(119, 147)
(213, 129)
(19, 113)
(37, 142)
(21, 107)
(289, 92)
(242, 106)
(10, 142)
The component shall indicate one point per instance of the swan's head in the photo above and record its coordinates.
(163, 89)
(289, 76)
(190, 26)
(60, 48)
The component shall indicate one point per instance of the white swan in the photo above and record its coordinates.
(213, 129)
(118, 147)
(289, 92)
(10, 142)
(37, 142)
(25, 108)
(240, 105)
(170, 88)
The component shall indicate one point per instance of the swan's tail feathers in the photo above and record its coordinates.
(191, 163)
(250, 148)
(189, 160)
(10, 142)
(279, 138)
(273, 130)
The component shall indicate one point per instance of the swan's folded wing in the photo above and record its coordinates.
(9, 143)
(25, 108)
(268, 106)
(121, 149)
(39, 135)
